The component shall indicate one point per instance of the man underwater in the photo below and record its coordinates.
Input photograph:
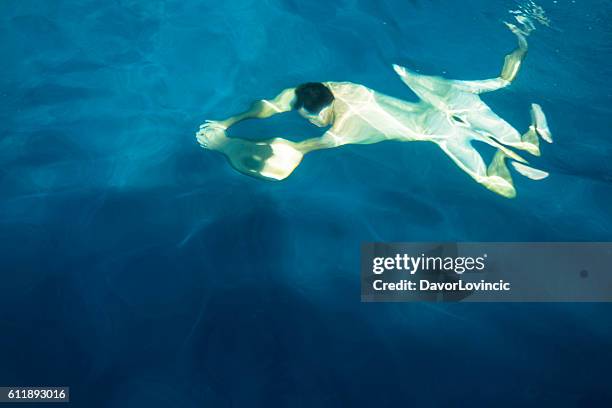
(450, 113)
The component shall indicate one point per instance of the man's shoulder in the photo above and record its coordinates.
(346, 87)
(343, 84)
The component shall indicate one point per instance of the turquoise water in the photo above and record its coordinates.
(142, 270)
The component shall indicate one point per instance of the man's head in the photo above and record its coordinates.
(313, 101)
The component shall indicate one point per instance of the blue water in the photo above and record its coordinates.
(142, 270)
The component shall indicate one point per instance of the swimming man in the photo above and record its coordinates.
(450, 113)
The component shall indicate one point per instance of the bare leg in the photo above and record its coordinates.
(496, 177)
(461, 99)
(512, 65)
(488, 122)
(448, 94)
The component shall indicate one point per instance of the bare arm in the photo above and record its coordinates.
(264, 108)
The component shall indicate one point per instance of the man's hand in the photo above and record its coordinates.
(211, 135)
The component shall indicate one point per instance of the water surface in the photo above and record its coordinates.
(143, 271)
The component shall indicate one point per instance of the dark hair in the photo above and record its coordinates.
(312, 96)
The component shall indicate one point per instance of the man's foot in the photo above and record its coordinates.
(499, 185)
(539, 121)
